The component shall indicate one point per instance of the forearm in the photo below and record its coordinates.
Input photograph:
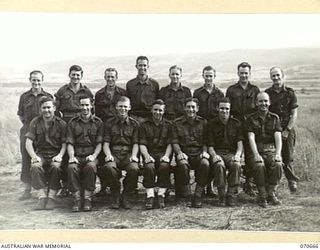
(212, 152)
(278, 142)
(239, 148)
(97, 150)
(168, 151)
(106, 148)
(144, 151)
(293, 118)
(176, 148)
(252, 143)
(70, 150)
(135, 149)
(63, 149)
(30, 149)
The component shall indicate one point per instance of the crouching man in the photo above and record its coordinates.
(264, 133)
(121, 149)
(189, 145)
(84, 143)
(46, 145)
(225, 148)
(156, 150)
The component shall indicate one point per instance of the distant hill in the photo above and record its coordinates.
(298, 63)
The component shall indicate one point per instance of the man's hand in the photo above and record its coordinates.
(57, 158)
(35, 159)
(257, 158)
(204, 155)
(134, 158)
(165, 159)
(149, 159)
(90, 158)
(277, 158)
(236, 158)
(182, 156)
(216, 158)
(73, 159)
(109, 158)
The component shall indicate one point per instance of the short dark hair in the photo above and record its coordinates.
(191, 99)
(244, 65)
(224, 100)
(111, 70)
(207, 68)
(159, 102)
(276, 67)
(36, 72)
(141, 58)
(175, 67)
(86, 97)
(75, 68)
(44, 99)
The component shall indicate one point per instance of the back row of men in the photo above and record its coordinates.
(162, 123)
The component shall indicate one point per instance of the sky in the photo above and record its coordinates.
(34, 38)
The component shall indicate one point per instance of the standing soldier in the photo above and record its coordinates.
(46, 145)
(189, 145)
(27, 110)
(174, 94)
(121, 149)
(208, 95)
(243, 97)
(68, 105)
(284, 103)
(84, 143)
(105, 107)
(225, 148)
(142, 90)
(264, 133)
(156, 150)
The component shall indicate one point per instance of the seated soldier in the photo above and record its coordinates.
(225, 148)
(264, 133)
(121, 149)
(84, 143)
(156, 150)
(189, 145)
(46, 145)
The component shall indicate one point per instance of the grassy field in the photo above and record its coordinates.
(299, 212)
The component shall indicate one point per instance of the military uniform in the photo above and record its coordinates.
(121, 137)
(282, 104)
(68, 102)
(84, 136)
(47, 144)
(208, 102)
(174, 100)
(156, 139)
(142, 95)
(224, 139)
(28, 109)
(105, 104)
(191, 137)
(267, 174)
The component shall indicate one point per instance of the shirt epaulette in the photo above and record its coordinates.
(134, 120)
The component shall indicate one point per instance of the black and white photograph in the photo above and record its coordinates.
(160, 122)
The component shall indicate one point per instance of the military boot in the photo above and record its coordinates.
(221, 196)
(262, 194)
(76, 202)
(186, 190)
(197, 196)
(272, 198)
(115, 199)
(125, 201)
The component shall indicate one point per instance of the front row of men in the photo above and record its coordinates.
(212, 149)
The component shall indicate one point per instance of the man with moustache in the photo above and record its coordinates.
(284, 103)
(142, 90)
(154, 136)
(225, 148)
(264, 134)
(28, 109)
(84, 143)
(190, 146)
(46, 145)
(105, 108)
(243, 96)
(121, 146)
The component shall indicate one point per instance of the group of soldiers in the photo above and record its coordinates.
(68, 140)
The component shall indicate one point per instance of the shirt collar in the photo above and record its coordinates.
(41, 92)
(147, 82)
(69, 86)
(116, 89)
(180, 87)
(248, 86)
(90, 118)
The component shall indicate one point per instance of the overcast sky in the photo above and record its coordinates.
(33, 38)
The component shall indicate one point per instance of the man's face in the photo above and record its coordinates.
(86, 106)
(75, 77)
(224, 110)
(175, 76)
(244, 74)
(263, 102)
(157, 111)
(47, 109)
(110, 77)
(276, 76)
(36, 80)
(191, 109)
(123, 108)
(208, 76)
(142, 67)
